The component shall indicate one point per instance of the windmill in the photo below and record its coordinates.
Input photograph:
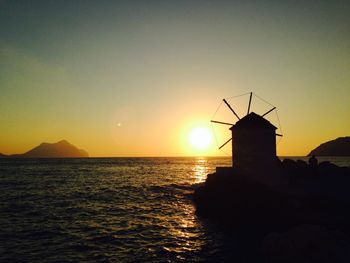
(253, 137)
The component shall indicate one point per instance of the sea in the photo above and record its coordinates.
(111, 210)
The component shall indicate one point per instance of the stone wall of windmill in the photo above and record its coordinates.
(253, 143)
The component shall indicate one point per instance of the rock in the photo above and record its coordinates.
(252, 210)
(61, 149)
(337, 147)
(306, 243)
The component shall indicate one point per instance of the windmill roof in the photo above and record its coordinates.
(253, 120)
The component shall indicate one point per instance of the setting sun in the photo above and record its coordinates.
(200, 138)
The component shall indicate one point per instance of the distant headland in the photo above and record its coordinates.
(61, 149)
(337, 147)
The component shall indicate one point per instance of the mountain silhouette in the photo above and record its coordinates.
(337, 147)
(61, 149)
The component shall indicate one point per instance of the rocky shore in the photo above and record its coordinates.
(307, 216)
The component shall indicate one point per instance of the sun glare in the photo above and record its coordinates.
(200, 138)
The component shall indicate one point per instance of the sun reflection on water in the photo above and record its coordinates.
(184, 232)
(200, 170)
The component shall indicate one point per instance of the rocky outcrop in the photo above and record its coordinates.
(316, 194)
(61, 149)
(337, 147)
(306, 243)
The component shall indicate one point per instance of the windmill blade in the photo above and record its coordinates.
(280, 135)
(225, 143)
(268, 112)
(250, 100)
(221, 122)
(229, 106)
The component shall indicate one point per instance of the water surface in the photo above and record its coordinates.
(108, 209)
(115, 209)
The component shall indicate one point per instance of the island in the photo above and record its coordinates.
(337, 147)
(61, 149)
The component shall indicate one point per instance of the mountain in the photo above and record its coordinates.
(61, 149)
(337, 147)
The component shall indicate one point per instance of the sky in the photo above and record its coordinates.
(135, 78)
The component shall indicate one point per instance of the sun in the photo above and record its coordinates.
(200, 138)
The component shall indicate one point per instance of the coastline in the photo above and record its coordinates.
(311, 204)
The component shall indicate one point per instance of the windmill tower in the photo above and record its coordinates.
(253, 140)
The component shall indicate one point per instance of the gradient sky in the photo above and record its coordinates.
(74, 70)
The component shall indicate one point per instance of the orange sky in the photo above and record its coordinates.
(134, 80)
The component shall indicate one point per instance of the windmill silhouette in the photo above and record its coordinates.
(253, 137)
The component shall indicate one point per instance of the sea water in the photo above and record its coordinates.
(109, 210)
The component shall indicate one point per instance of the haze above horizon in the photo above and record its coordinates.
(144, 78)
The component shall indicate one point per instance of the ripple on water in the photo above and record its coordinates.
(122, 210)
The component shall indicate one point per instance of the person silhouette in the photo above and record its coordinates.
(313, 162)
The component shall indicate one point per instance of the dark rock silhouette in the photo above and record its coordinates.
(306, 243)
(337, 147)
(61, 149)
(315, 194)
